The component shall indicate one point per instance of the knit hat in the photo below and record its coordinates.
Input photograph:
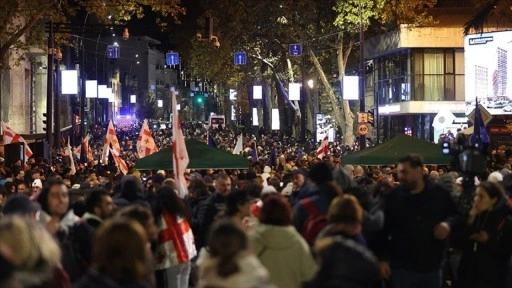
(37, 183)
(495, 177)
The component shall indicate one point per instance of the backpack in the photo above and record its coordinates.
(315, 222)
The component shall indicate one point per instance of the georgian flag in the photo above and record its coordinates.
(180, 158)
(11, 137)
(111, 139)
(323, 149)
(145, 142)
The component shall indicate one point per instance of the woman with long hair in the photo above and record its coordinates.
(119, 257)
(486, 239)
(32, 253)
(229, 262)
(176, 246)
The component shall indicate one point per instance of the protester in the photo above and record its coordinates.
(238, 206)
(278, 245)
(100, 207)
(176, 246)
(418, 218)
(358, 269)
(112, 266)
(229, 263)
(486, 239)
(210, 208)
(60, 221)
(345, 216)
(32, 252)
(309, 215)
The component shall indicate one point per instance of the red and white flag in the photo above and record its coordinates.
(119, 161)
(87, 148)
(71, 158)
(179, 151)
(145, 142)
(111, 139)
(11, 137)
(323, 149)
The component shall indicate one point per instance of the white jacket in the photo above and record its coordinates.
(251, 273)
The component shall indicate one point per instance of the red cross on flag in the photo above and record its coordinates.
(111, 139)
(145, 142)
(323, 149)
(179, 151)
(11, 137)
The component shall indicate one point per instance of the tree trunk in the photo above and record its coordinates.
(348, 127)
(338, 116)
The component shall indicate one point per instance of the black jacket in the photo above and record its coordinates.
(205, 215)
(485, 264)
(358, 269)
(407, 239)
(95, 280)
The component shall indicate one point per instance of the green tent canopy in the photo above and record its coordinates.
(389, 152)
(201, 156)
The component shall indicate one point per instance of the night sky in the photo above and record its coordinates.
(176, 37)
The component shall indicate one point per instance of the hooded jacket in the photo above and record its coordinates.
(285, 254)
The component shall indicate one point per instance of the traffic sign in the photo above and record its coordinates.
(172, 58)
(240, 58)
(363, 129)
(362, 117)
(113, 51)
(296, 49)
(486, 116)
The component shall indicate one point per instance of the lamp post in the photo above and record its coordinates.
(49, 92)
(362, 104)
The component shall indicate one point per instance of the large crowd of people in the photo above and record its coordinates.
(298, 221)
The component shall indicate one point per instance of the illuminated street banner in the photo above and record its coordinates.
(350, 87)
(324, 127)
(294, 91)
(257, 92)
(91, 89)
(275, 119)
(69, 82)
(255, 121)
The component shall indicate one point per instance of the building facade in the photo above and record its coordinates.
(420, 71)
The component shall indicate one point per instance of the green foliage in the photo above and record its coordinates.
(350, 13)
(19, 18)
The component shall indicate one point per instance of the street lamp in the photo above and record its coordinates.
(311, 83)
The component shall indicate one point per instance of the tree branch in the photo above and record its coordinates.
(7, 45)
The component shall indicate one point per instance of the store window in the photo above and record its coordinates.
(420, 75)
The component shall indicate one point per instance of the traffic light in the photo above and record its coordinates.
(45, 122)
(199, 99)
(371, 114)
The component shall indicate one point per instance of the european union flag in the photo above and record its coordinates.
(211, 142)
(254, 152)
(480, 138)
(273, 157)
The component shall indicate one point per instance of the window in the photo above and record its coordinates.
(433, 71)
